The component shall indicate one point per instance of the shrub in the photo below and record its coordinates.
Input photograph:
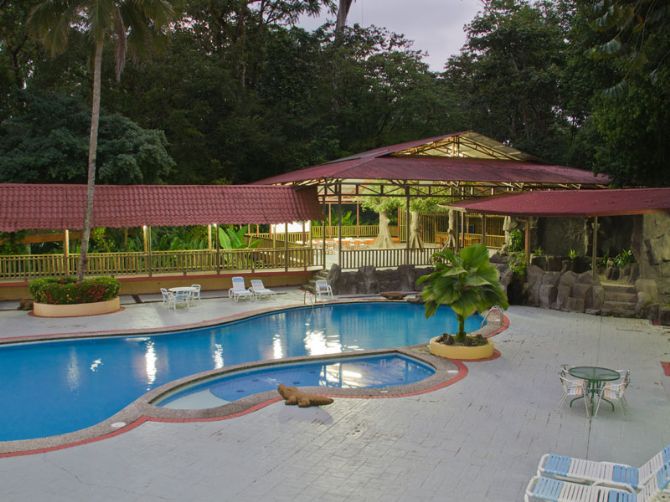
(624, 258)
(67, 291)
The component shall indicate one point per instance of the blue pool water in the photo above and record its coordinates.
(343, 373)
(55, 387)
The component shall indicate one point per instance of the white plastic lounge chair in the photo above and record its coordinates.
(321, 289)
(238, 290)
(259, 289)
(589, 471)
(195, 293)
(554, 490)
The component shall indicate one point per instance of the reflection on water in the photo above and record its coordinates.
(55, 387)
(317, 344)
(150, 358)
(73, 370)
(277, 350)
(217, 355)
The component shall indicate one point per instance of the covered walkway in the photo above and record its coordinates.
(61, 208)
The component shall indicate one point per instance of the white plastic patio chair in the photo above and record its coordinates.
(166, 296)
(494, 314)
(239, 290)
(259, 289)
(572, 388)
(195, 293)
(616, 391)
(180, 297)
(321, 289)
(590, 471)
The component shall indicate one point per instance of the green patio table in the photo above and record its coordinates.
(595, 378)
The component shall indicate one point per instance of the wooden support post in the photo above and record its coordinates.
(358, 219)
(304, 245)
(330, 217)
(339, 224)
(217, 244)
(594, 251)
(209, 236)
(527, 241)
(285, 247)
(66, 251)
(457, 232)
(407, 218)
(150, 255)
(323, 242)
(484, 229)
(463, 230)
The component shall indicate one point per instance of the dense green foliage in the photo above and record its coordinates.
(48, 141)
(67, 291)
(236, 92)
(466, 281)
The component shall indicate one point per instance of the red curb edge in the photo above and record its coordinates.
(666, 367)
(462, 373)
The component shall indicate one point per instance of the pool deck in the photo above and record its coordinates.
(479, 439)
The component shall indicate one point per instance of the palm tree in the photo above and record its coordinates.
(123, 22)
(466, 281)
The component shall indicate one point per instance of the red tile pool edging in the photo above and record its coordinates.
(462, 373)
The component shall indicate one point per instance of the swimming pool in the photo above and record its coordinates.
(56, 387)
(365, 372)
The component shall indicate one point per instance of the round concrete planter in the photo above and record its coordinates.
(77, 309)
(459, 351)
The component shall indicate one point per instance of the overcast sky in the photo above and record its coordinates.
(435, 26)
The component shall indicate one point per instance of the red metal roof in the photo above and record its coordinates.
(578, 203)
(33, 206)
(441, 169)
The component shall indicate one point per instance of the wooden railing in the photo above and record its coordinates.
(347, 231)
(492, 241)
(381, 258)
(293, 237)
(157, 262)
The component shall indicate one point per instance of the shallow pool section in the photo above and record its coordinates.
(367, 372)
(56, 387)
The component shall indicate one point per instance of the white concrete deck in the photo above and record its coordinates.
(477, 440)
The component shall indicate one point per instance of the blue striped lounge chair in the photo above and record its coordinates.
(591, 472)
(542, 489)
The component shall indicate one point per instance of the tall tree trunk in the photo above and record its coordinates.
(342, 12)
(383, 240)
(92, 151)
(415, 241)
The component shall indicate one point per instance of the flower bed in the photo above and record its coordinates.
(67, 291)
(65, 297)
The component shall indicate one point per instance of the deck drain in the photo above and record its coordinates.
(118, 425)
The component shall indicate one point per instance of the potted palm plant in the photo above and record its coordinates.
(468, 283)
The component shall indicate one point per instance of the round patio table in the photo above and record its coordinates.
(595, 378)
